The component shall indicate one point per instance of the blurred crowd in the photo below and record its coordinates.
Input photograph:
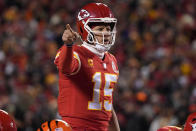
(155, 49)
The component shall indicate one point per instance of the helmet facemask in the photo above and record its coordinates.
(110, 35)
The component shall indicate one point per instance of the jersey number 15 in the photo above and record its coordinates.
(96, 103)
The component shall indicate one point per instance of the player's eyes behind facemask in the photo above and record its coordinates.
(108, 26)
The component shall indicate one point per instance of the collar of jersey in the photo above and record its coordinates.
(93, 50)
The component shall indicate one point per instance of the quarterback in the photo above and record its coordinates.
(88, 73)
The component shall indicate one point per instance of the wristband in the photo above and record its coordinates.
(69, 45)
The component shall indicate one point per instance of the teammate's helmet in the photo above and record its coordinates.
(55, 125)
(190, 124)
(170, 128)
(6, 122)
(96, 13)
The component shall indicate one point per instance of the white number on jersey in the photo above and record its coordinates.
(96, 104)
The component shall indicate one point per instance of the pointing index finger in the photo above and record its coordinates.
(73, 32)
(69, 28)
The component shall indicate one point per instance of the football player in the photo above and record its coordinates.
(88, 73)
(6, 122)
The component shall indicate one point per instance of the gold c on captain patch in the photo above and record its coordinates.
(90, 62)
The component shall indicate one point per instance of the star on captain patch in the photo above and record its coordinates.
(90, 62)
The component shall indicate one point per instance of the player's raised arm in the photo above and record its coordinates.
(68, 62)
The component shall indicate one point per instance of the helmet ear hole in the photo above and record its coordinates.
(90, 38)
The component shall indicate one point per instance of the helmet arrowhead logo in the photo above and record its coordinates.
(83, 14)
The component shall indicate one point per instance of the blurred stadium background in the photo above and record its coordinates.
(155, 49)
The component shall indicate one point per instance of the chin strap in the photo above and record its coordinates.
(101, 48)
(95, 44)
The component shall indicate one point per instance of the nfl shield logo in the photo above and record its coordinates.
(114, 68)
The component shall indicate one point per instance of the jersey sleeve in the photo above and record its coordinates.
(67, 60)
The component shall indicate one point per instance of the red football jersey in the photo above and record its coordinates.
(86, 90)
